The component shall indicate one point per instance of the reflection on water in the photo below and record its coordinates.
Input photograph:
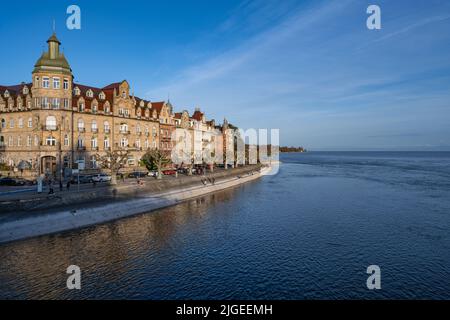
(308, 232)
(35, 268)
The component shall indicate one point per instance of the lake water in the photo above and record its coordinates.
(309, 232)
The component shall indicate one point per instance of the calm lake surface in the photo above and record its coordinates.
(309, 232)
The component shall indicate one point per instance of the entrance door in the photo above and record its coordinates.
(48, 165)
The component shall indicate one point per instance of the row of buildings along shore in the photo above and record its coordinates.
(54, 124)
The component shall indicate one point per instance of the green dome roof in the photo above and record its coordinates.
(53, 60)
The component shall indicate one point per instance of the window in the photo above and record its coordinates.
(29, 141)
(50, 123)
(80, 125)
(55, 103)
(89, 93)
(19, 141)
(94, 143)
(124, 94)
(94, 162)
(106, 126)
(45, 82)
(66, 84)
(138, 143)
(80, 142)
(36, 141)
(94, 108)
(2, 141)
(81, 107)
(154, 131)
(123, 128)
(123, 142)
(3, 123)
(50, 141)
(11, 123)
(25, 90)
(66, 103)
(77, 91)
(94, 126)
(30, 122)
(146, 145)
(127, 113)
(106, 109)
(45, 103)
(106, 143)
(20, 123)
(138, 129)
(56, 83)
(10, 141)
(101, 96)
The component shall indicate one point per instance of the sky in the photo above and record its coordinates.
(309, 68)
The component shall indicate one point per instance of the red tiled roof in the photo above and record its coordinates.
(198, 115)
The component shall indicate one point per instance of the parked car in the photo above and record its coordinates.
(169, 172)
(102, 177)
(153, 174)
(12, 182)
(137, 174)
(82, 179)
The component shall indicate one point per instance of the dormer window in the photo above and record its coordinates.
(124, 94)
(101, 96)
(25, 90)
(89, 93)
(94, 108)
(77, 91)
(81, 107)
(6, 94)
(141, 104)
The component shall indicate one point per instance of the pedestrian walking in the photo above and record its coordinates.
(60, 185)
(68, 185)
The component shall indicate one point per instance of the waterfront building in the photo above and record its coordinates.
(55, 124)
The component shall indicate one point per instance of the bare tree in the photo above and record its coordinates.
(114, 161)
(155, 159)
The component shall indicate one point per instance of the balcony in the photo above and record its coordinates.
(94, 130)
(81, 129)
(107, 130)
(125, 131)
(50, 127)
(94, 148)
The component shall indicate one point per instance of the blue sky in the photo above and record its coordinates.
(310, 68)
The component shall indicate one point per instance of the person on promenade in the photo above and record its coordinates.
(50, 188)
(68, 185)
(60, 185)
(94, 183)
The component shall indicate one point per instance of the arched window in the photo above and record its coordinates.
(80, 125)
(50, 123)
(3, 123)
(94, 108)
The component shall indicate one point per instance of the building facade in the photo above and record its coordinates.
(54, 124)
